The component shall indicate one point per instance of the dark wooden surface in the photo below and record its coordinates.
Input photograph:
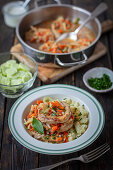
(13, 155)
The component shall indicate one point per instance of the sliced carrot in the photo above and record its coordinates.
(33, 115)
(66, 139)
(41, 33)
(32, 40)
(66, 133)
(57, 104)
(59, 139)
(72, 117)
(60, 111)
(31, 129)
(60, 31)
(54, 50)
(73, 46)
(39, 101)
(44, 48)
(62, 46)
(36, 109)
(54, 128)
(60, 51)
(47, 37)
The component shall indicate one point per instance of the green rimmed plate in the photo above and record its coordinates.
(96, 119)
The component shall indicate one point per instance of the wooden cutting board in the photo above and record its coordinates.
(49, 74)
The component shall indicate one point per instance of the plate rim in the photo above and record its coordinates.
(48, 151)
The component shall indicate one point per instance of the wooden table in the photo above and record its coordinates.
(13, 155)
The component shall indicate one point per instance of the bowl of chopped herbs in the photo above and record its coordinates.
(99, 79)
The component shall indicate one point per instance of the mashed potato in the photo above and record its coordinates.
(80, 125)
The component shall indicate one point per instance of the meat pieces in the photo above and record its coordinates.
(41, 35)
(56, 119)
(61, 25)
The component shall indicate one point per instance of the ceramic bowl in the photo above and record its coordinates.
(98, 72)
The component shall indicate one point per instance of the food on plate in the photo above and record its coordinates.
(13, 73)
(56, 121)
(101, 83)
(43, 36)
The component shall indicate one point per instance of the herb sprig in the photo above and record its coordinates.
(37, 126)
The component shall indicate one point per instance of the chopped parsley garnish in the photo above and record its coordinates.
(54, 108)
(75, 119)
(100, 83)
(54, 134)
(75, 109)
(80, 114)
(53, 142)
(53, 114)
(64, 99)
(75, 131)
(45, 137)
(53, 137)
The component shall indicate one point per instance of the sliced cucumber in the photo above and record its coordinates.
(23, 67)
(16, 81)
(12, 73)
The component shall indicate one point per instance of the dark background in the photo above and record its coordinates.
(13, 155)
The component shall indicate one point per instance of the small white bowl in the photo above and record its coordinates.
(98, 72)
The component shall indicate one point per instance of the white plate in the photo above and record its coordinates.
(98, 72)
(96, 119)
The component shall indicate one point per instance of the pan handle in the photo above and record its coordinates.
(60, 63)
(58, 2)
(37, 1)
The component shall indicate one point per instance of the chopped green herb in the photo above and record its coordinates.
(53, 142)
(75, 131)
(100, 83)
(80, 114)
(53, 114)
(65, 49)
(48, 106)
(45, 137)
(54, 108)
(75, 119)
(75, 109)
(64, 99)
(37, 126)
(54, 134)
(76, 20)
(53, 137)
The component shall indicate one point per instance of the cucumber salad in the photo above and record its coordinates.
(13, 73)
